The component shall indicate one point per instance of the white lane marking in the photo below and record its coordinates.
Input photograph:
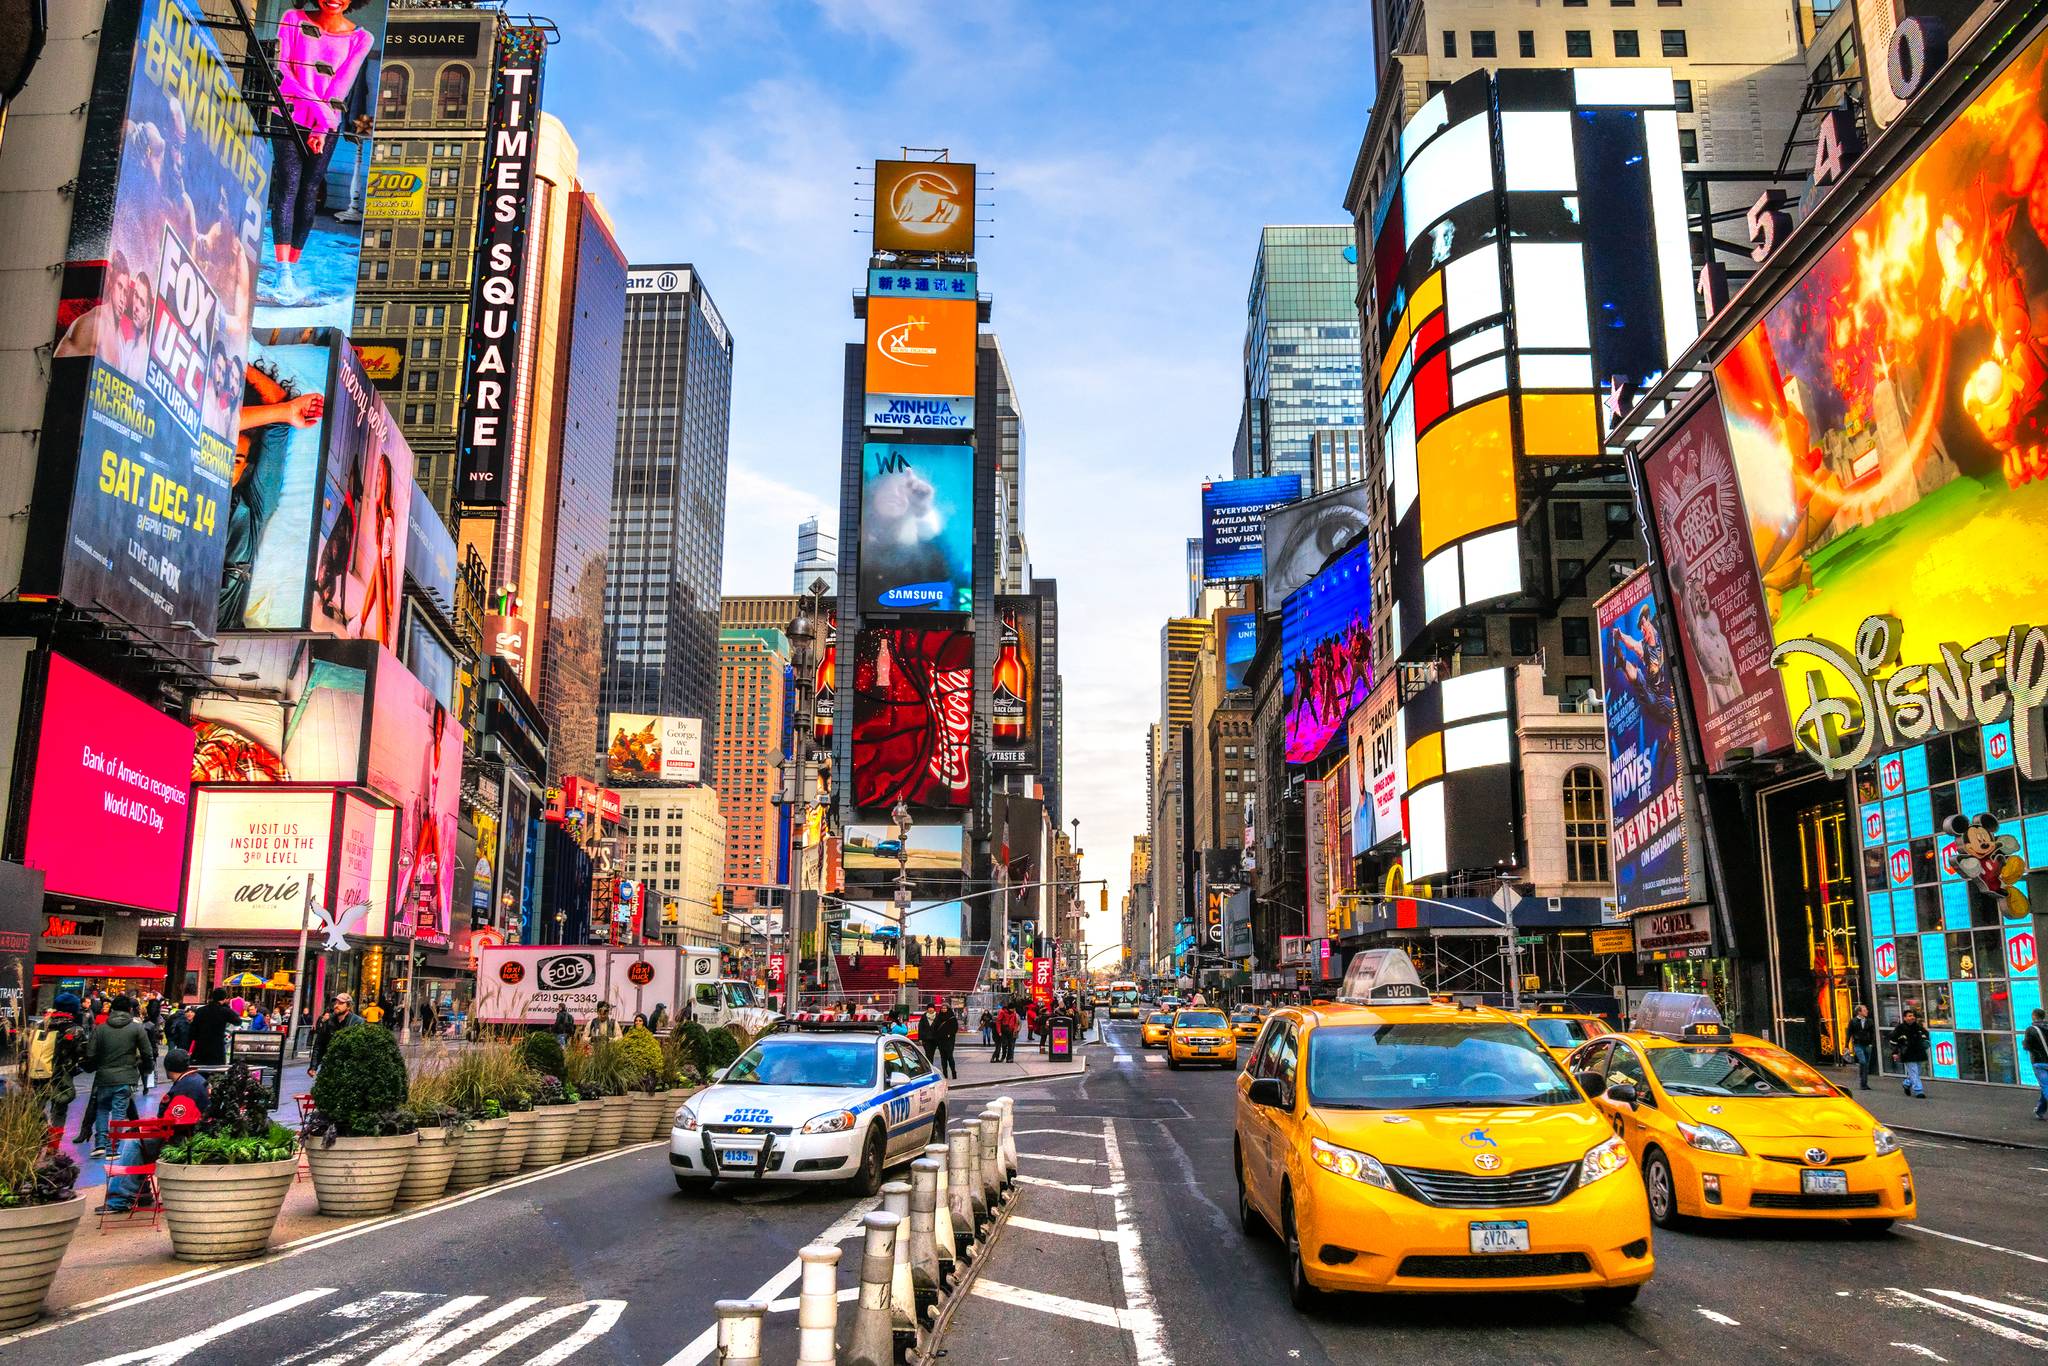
(2025, 1317)
(1711, 1317)
(425, 1346)
(1108, 1315)
(1994, 1328)
(603, 1314)
(1148, 1335)
(1050, 1157)
(1069, 1133)
(367, 1312)
(1093, 1235)
(1959, 1238)
(1918, 1350)
(1028, 1180)
(705, 1343)
(165, 1354)
(395, 1341)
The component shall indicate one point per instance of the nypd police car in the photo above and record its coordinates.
(828, 1106)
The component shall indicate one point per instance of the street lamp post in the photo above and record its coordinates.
(900, 814)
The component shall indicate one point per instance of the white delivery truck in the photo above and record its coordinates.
(524, 984)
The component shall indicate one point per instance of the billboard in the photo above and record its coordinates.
(915, 409)
(395, 194)
(1234, 524)
(1710, 567)
(655, 749)
(1647, 806)
(1314, 795)
(145, 393)
(300, 720)
(493, 372)
(921, 348)
(1013, 689)
(1301, 537)
(251, 855)
(1326, 653)
(898, 282)
(107, 808)
(415, 758)
(1379, 770)
(1886, 414)
(327, 63)
(871, 927)
(365, 840)
(873, 849)
(1458, 804)
(916, 528)
(365, 513)
(924, 207)
(266, 567)
(825, 697)
(1240, 646)
(913, 718)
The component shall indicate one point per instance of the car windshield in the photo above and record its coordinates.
(1431, 1066)
(1242, 1017)
(1161, 1018)
(1198, 1019)
(739, 995)
(805, 1062)
(1722, 1070)
(1557, 1031)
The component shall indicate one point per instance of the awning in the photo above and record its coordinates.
(99, 965)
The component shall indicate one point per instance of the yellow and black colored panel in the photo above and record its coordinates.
(1460, 796)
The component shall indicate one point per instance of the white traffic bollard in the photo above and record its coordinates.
(927, 1280)
(874, 1324)
(964, 1171)
(902, 1289)
(817, 1306)
(942, 1217)
(990, 1125)
(739, 1332)
(1009, 1109)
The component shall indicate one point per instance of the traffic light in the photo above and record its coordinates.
(1105, 900)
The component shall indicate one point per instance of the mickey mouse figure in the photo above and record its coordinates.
(1990, 861)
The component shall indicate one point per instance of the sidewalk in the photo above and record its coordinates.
(977, 1071)
(1969, 1111)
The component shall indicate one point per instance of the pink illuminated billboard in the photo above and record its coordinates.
(110, 803)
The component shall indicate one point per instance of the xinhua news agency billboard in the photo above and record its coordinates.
(918, 410)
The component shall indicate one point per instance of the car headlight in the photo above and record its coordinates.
(832, 1122)
(686, 1118)
(1604, 1160)
(1885, 1140)
(1708, 1139)
(1355, 1165)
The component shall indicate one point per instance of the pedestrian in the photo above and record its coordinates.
(210, 1030)
(639, 1020)
(119, 1055)
(259, 1020)
(1006, 1034)
(565, 1024)
(184, 1104)
(988, 1026)
(2037, 1054)
(941, 1029)
(178, 1029)
(602, 1025)
(153, 1021)
(56, 1055)
(1863, 1043)
(340, 1015)
(658, 1021)
(1909, 1050)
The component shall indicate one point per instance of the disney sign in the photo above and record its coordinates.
(1889, 704)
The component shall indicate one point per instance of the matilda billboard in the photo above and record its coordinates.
(1647, 831)
(1234, 524)
(916, 528)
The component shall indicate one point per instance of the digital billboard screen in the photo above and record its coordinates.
(1013, 690)
(365, 513)
(932, 848)
(916, 528)
(921, 348)
(108, 806)
(924, 206)
(300, 720)
(1886, 415)
(251, 855)
(1647, 830)
(1456, 774)
(1234, 524)
(1301, 537)
(266, 568)
(415, 758)
(913, 718)
(655, 749)
(1326, 653)
(1240, 646)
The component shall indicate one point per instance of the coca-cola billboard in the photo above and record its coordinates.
(913, 718)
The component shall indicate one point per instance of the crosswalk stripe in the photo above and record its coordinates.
(1093, 1235)
(1053, 1157)
(1065, 1133)
(1087, 1311)
(1050, 1184)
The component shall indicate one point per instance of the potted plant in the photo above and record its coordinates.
(608, 1079)
(222, 1186)
(515, 1093)
(38, 1211)
(640, 1062)
(359, 1141)
(576, 1077)
(439, 1129)
(473, 1085)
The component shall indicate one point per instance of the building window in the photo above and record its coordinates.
(1681, 91)
(1578, 42)
(1522, 637)
(1688, 146)
(454, 87)
(392, 89)
(1578, 639)
(1472, 637)
(1674, 42)
(1621, 519)
(1577, 688)
(1450, 43)
(1574, 4)
(1626, 43)
(1565, 521)
(1585, 826)
(1526, 43)
(1620, 568)
(1482, 43)
(1571, 573)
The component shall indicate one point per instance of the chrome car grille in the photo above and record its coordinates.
(748, 1130)
(1841, 1161)
(1467, 1190)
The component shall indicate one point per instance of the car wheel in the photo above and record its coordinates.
(868, 1179)
(1871, 1228)
(694, 1185)
(1611, 1299)
(1249, 1221)
(1660, 1189)
(938, 1133)
(1301, 1292)
(1172, 1063)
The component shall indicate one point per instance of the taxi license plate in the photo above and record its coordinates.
(1501, 1236)
(737, 1157)
(1821, 1182)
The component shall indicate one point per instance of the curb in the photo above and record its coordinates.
(1979, 1139)
(1024, 1079)
(959, 1292)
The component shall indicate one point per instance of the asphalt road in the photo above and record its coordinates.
(1124, 1248)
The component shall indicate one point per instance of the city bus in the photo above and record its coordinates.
(1123, 1000)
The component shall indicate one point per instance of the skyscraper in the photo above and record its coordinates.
(1301, 363)
(668, 500)
(817, 555)
(753, 677)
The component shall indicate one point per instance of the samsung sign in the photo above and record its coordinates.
(945, 414)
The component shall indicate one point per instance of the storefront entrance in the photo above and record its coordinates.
(1814, 921)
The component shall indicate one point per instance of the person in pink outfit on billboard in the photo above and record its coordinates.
(319, 57)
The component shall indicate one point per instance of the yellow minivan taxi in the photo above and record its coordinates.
(1728, 1126)
(1152, 1033)
(1200, 1035)
(1401, 1144)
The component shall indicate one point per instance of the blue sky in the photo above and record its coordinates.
(1136, 149)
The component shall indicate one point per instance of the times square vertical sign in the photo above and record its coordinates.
(494, 361)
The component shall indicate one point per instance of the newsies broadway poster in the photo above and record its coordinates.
(1644, 777)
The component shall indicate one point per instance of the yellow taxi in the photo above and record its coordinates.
(1200, 1035)
(1245, 1022)
(1152, 1033)
(1728, 1126)
(1562, 1031)
(1402, 1144)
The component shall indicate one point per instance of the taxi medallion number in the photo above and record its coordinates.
(1501, 1235)
(1823, 1182)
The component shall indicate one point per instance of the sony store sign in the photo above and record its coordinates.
(942, 414)
(492, 362)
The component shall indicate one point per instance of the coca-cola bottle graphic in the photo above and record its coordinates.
(827, 679)
(1012, 684)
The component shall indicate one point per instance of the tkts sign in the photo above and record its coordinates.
(1881, 704)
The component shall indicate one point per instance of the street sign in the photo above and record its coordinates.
(1507, 898)
(1528, 941)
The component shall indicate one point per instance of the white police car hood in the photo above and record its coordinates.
(793, 1106)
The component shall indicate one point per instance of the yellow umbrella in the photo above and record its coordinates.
(241, 981)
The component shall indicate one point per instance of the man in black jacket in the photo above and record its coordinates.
(938, 1031)
(2037, 1054)
(184, 1104)
(1909, 1050)
(1862, 1034)
(338, 1018)
(210, 1030)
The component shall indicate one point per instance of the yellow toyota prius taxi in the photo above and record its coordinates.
(1152, 1033)
(1728, 1126)
(1200, 1035)
(1400, 1144)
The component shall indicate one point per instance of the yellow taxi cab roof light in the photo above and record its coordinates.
(1680, 1015)
(1381, 975)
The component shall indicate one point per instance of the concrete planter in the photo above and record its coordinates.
(223, 1213)
(644, 1120)
(611, 1122)
(476, 1151)
(512, 1150)
(359, 1176)
(583, 1128)
(33, 1239)
(428, 1166)
(551, 1126)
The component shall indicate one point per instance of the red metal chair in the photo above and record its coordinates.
(143, 1130)
(305, 1170)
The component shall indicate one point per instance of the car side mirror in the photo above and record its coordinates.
(1621, 1093)
(898, 1078)
(1269, 1092)
(1592, 1083)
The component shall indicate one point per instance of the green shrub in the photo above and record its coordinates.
(695, 1045)
(542, 1052)
(720, 1049)
(640, 1059)
(487, 1077)
(607, 1070)
(237, 1105)
(362, 1082)
(219, 1149)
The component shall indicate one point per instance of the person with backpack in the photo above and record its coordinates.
(184, 1104)
(119, 1055)
(56, 1055)
(1006, 1035)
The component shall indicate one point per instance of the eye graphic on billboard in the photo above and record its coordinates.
(1234, 525)
(1326, 653)
(921, 348)
(145, 393)
(917, 528)
(913, 718)
(1013, 690)
(664, 749)
(924, 206)
(1301, 536)
(1886, 415)
(1652, 868)
(492, 366)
